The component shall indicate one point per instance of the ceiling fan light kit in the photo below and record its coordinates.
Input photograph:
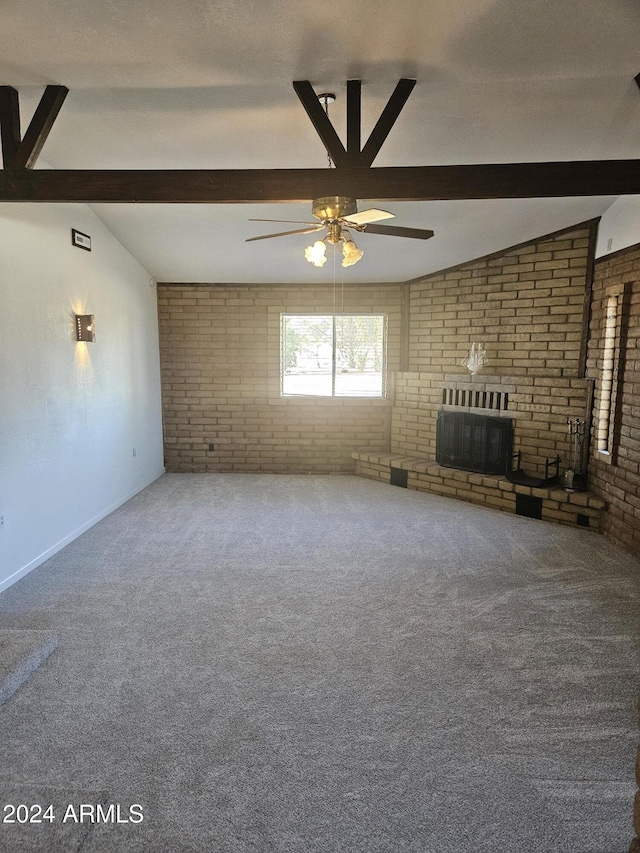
(332, 211)
(337, 214)
(316, 254)
(351, 254)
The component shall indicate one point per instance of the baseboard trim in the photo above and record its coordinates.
(37, 561)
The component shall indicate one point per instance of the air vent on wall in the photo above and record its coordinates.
(475, 399)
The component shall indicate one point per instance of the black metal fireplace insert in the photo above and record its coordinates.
(476, 443)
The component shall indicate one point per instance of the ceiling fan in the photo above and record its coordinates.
(338, 214)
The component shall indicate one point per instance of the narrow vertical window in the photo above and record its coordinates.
(608, 374)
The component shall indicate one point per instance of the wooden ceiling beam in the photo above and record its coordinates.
(18, 153)
(9, 123)
(353, 156)
(386, 121)
(320, 120)
(43, 118)
(354, 118)
(396, 183)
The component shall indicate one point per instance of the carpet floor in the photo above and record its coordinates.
(324, 664)
(21, 653)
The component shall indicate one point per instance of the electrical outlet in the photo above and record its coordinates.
(1, 520)
(134, 451)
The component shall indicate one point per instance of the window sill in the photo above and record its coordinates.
(330, 401)
(604, 456)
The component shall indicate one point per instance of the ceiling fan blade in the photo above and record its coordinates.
(373, 214)
(397, 231)
(293, 221)
(286, 233)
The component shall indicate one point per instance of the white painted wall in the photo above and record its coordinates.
(71, 413)
(620, 224)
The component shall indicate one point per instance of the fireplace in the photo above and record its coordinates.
(471, 442)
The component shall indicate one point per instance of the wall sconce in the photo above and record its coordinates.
(85, 328)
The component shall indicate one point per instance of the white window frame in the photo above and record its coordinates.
(334, 316)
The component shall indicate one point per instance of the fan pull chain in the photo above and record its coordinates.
(334, 281)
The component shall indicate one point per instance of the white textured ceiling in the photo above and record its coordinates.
(207, 84)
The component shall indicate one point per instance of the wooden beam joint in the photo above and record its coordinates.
(353, 156)
(23, 153)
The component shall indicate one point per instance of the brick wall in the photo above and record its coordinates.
(417, 397)
(220, 356)
(616, 476)
(526, 305)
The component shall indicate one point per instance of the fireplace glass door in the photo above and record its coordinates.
(473, 442)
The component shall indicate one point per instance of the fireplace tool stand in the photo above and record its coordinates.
(575, 478)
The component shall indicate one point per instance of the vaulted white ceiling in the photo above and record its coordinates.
(207, 84)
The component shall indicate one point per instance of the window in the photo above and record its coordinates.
(610, 373)
(333, 355)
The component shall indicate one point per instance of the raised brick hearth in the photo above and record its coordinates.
(579, 509)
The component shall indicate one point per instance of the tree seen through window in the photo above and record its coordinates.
(333, 355)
